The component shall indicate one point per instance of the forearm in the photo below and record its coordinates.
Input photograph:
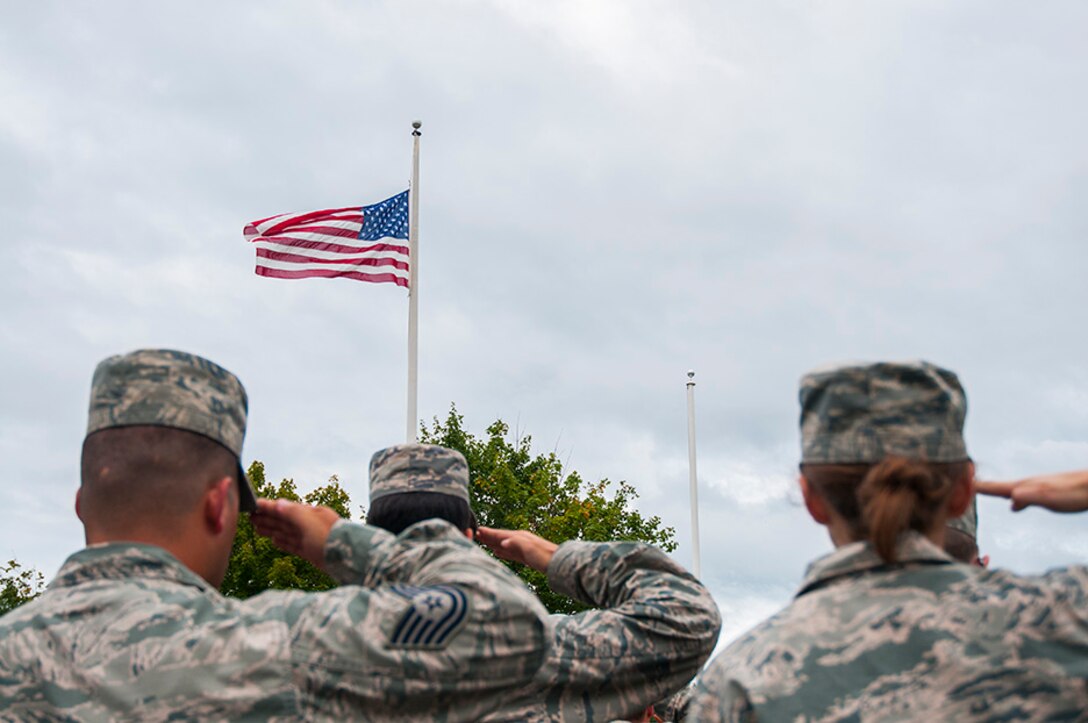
(428, 553)
(639, 582)
(352, 549)
(657, 626)
(448, 625)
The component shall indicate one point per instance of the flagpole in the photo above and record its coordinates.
(413, 286)
(692, 476)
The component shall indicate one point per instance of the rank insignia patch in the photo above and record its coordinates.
(434, 615)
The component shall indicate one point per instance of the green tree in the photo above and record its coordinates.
(510, 487)
(256, 564)
(514, 489)
(18, 585)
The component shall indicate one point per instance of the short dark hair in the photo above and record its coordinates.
(132, 474)
(397, 512)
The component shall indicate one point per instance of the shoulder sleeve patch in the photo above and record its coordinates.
(434, 614)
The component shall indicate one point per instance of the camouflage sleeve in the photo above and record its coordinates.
(1071, 586)
(433, 627)
(719, 699)
(656, 628)
(348, 550)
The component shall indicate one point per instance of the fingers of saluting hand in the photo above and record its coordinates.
(271, 521)
(1022, 494)
(1062, 492)
(995, 489)
(519, 546)
(274, 509)
(498, 541)
(279, 532)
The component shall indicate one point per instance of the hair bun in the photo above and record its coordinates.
(899, 494)
(900, 473)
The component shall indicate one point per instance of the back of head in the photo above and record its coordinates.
(883, 445)
(410, 483)
(147, 477)
(397, 512)
(162, 426)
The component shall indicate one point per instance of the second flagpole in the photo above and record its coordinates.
(693, 477)
(413, 286)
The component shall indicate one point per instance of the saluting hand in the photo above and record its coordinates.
(519, 546)
(296, 528)
(1063, 492)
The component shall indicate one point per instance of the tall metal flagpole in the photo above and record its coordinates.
(413, 285)
(692, 476)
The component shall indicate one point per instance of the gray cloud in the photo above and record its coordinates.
(612, 193)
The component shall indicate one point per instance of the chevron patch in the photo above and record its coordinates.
(434, 615)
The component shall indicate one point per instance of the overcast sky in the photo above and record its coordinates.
(612, 193)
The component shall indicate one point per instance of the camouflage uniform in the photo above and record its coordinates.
(656, 627)
(411, 468)
(126, 631)
(925, 638)
(426, 626)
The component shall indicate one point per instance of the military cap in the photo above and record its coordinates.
(860, 414)
(166, 388)
(418, 468)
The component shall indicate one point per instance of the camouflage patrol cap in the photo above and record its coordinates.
(166, 388)
(860, 414)
(418, 468)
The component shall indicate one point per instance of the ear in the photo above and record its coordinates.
(217, 505)
(963, 490)
(79, 512)
(814, 503)
(470, 534)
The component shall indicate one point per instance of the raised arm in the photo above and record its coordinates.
(1062, 492)
(655, 628)
(424, 626)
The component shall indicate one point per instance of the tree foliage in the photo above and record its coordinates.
(18, 585)
(256, 564)
(513, 488)
(510, 487)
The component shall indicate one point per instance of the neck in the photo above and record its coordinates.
(188, 550)
(841, 533)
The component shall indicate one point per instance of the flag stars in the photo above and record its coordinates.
(388, 219)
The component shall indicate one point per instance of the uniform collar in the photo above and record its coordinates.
(124, 561)
(859, 557)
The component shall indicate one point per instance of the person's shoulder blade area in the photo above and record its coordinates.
(438, 626)
(918, 642)
(105, 649)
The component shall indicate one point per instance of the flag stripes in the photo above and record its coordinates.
(318, 244)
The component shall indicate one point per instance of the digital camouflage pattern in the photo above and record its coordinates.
(925, 639)
(655, 628)
(166, 388)
(861, 414)
(675, 707)
(126, 632)
(418, 468)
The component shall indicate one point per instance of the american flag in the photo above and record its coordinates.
(366, 244)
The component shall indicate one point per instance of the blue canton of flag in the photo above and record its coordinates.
(386, 219)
